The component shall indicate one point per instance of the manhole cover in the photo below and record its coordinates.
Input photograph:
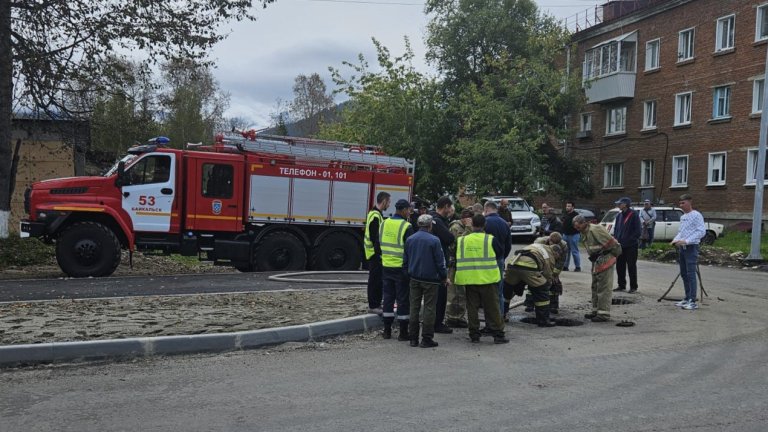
(621, 301)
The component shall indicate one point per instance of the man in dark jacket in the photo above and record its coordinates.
(441, 218)
(627, 231)
(502, 242)
(571, 236)
(425, 263)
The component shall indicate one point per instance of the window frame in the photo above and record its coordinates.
(757, 97)
(680, 53)
(656, 57)
(752, 157)
(205, 177)
(716, 100)
(674, 183)
(761, 11)
(610, 119)
(678, 99)
(711, 168)
(609, 184)
(587, 115)
(647, 166)
(732, 32)
(646, 104)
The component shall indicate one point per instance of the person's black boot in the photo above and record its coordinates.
(415, 342)
(404, 335)
(554, 304)
(542, 317)
(387, 330)
(427, 342)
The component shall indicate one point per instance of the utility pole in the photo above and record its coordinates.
(757, 211)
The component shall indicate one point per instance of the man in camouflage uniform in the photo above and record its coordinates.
(556, 290)
(457, 297)
(534, 266)
(603, 250)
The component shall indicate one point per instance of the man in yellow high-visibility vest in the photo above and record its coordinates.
(478, 271)
(393, 233)
(372, 246)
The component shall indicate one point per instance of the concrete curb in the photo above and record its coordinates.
(57, 352)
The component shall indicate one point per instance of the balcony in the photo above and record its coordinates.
(609, 69)
(608, 88)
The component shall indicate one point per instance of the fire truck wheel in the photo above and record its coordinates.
(336, 252)
(88, 249)
(279, 251)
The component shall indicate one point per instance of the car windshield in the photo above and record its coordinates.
(518, 205)
(610, 216)
(127, 159)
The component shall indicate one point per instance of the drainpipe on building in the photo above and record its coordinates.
(757, 215)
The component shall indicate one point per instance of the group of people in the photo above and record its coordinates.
(457, 267)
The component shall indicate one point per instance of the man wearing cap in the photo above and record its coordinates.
(648, 219)
(457, 298)
(692, 229)
(425, 263)
(441, 216)
(393, 234)
(627, 230)
(372, 247)
(603, 250)
(534, 266)
(478, 272)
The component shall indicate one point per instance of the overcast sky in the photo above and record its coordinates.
(259, 60)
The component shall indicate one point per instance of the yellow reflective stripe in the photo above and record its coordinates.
(196, 216)
(85, 209)
(528, 264)
(142, 213)
(541, 303)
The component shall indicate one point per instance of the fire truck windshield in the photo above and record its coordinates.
(127, 159)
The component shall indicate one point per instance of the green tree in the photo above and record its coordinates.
(310, 99)
(48, 47)
(399, 109)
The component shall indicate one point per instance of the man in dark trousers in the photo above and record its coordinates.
(425, 263)
(393, 234)
(502, 243)
(571, 236)
(372, 246)
(627, 231)
(441, 218)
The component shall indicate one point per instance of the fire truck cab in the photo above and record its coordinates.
(257, 202)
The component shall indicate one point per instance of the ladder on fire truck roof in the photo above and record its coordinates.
(316, 149)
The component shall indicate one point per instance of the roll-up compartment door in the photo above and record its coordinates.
(269, 198)
(310, 200)
(350, 203)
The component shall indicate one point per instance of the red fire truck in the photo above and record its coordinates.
(257, 202)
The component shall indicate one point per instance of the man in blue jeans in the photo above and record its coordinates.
(687, 240)
(571, 236)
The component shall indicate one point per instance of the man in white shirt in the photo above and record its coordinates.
(687, 240)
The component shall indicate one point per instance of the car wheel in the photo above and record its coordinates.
(709, 238)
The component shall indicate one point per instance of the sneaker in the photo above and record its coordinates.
(618, 289)
(633, 291)
(682, 303)
(376, 311)
(414, 343)
(599, 318)
(498, 340)
(691, 306)
(428, 343)
(577, 269)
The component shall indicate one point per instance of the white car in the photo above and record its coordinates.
(667, 224)
(525, 223)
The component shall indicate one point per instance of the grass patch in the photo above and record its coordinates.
(17, 252)
(736, 241)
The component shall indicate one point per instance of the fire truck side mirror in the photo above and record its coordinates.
(120, 181)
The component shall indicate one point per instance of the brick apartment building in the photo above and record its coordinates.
(674, 91)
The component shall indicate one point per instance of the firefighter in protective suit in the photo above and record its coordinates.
(556, 290)
(534, 266)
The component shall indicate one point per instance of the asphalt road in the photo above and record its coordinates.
(49, 289)
(675, 371)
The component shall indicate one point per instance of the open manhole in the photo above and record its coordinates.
(565, 322)
(619, 301)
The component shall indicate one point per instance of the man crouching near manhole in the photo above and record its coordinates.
(534, 265)
(478, 271)
(425, 263)
(603, 250)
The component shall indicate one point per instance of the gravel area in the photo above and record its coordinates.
(77, 320)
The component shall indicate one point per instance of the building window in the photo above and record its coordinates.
(616, 121)
(679, 171)
(685, 45)
(609, 58)
(683, 109)
(716, 170)
(761, 29)
(649, 115)
(758, 87)
(726, 29)
(721, 106)
(613, 176)
(752, 167)
(652, 54)
(646, 172)
(586, 122)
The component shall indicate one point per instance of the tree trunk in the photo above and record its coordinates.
(6, 102)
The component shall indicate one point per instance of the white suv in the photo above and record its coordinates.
(667, 224)
(525, 223)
